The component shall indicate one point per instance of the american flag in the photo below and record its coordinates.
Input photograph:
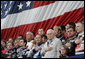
(11, 7)
(19, 17)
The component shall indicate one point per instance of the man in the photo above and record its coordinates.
(63, 31)
(29, 37)
(70, 24)
(72, 36)
(22, 52)
(16, 47)
(3, 47)
(57, 31)
(37, 47)
(63, 34)
(20, 36)
(9, 49)
(73, 39)
(44, 39)
(80, 31)
(35, 51)
(11, 40)
(41, 31)
(52, 46)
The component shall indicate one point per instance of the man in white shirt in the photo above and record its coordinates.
(29, 37)
(52, 46)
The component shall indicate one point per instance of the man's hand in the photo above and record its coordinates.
(78, 41)
(48, 48)
(68, 44)
(38, 48)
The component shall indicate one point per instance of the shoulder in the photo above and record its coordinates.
(57, 40)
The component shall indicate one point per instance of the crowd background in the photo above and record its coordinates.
(58, 42)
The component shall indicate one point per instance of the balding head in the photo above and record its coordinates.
(29, 36)
(79, 27)
(50, 34)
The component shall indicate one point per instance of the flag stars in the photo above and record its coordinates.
(10, 2)
(28, 3)
(9, 8)
(20, 6)
(6, 12)
(5, 5)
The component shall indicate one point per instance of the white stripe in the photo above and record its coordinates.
(78, 53)
(81, 46)
(40, 13)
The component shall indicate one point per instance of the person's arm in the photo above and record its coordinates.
(59, 44)
(72, 48)
(43, 50)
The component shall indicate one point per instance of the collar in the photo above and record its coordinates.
(53, 39)
(82, 33)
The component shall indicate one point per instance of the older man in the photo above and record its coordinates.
(52, 46)
(29, 37)
(35, 52)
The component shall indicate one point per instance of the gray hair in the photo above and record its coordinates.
(82, 24)
(50, 30)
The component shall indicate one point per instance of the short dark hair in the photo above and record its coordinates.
(11, 38)
(41, 28)
(62, 27)
(4, 41)
(33, 33)
(44, 36)
(72, 24)
(20, 35)
(9, 42)
(24, 40)
(71, 27)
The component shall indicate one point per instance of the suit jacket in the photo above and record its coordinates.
(54, 53)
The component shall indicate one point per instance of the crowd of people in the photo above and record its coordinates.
(58, 42)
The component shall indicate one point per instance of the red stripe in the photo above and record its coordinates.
(41, 3)
(76, 15)
(80, 50)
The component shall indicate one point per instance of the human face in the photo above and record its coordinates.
(16, 43)
(29, 36)
(50, 35)
(43, 39)
(41, 31)
(70, 32)
(79, 28)
(22, 43)
(67, 26)
(38, 39)
(3, 44)
(56, 30)
(9, 46)
(63, 51)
